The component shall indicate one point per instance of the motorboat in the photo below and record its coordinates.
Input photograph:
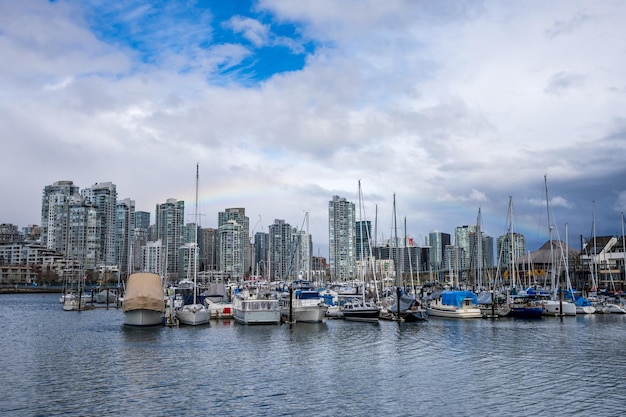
(358, 309)
(455, 304)
(256, 305)
(144, 302)
(303, 303)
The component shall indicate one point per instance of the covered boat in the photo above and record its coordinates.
(410, 308)
(144, 302)
(455, 304)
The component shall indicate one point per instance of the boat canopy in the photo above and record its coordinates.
(406, 302)
(484, 297)
(455, 298)
(144, 291)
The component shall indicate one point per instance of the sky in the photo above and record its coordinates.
(451, 107)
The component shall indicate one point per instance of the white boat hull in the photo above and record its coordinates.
(257, 317)
(615, 309)
(143, 317)
(221, 310)
(193, 315)
(334, 312)
(585, 309)
(306, 314)
(72, 304)
(553, 308)
(453, 312)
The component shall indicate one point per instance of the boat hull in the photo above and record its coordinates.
(557, 308)
(412, 316)
(193, 315)
(585, 309)
(304, 312)
(257, 317)
(526, 312)
(453, 312)
(361, 315)
(143, 317)
(221, 310)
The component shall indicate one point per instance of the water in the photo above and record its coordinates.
(56, 362)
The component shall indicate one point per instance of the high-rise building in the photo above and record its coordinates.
(140, 238)
(142, 220)
(71, 225)
(437, 241)
(103, 197)
(152, 257)
(281, 250)
(125, 236)
(231, 250)
(261, 253)
(233, 253)
(55, 208)
(10, 234)
(510, 246)
(341, 239)
(304, 254)
(207, 241)
(169, 227)
(462, 241)
(363, 239)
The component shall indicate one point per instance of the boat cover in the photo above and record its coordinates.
(583, 302)
(406, 301)
(144, 291)
(484, 298)
(455, 298)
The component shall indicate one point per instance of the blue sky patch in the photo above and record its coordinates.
(156, 31)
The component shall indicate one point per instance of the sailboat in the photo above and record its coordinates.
(358, 308)
(405, 307)
(303, 302)
(492, 303)
(195, 313)
(554, 306)
(522, 303)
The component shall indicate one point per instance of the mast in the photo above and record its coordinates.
(397, 257)
(623, 243)
(511, 267)
(594, 272)
(408, 252)
(552, 277)
(361, 245)
(195, 238)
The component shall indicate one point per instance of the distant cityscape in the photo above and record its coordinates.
(90, 233)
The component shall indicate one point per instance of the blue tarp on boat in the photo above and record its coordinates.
(455, 298)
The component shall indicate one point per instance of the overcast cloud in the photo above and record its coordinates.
(451, 105)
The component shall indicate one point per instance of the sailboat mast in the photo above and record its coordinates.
(361, 268)
(623, 242)
(479, 252)
(511, 267)
(552, 278)
(594, 274)
(195, 246)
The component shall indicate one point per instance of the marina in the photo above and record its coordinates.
(90, 363)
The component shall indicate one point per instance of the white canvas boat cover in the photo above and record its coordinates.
(144, 291)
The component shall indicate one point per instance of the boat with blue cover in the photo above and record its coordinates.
(455, 304)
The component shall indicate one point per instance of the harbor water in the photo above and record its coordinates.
(88, 363)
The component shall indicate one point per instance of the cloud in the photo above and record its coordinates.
(563, 82)
(562, 27)
(448, 105)
(251, 29)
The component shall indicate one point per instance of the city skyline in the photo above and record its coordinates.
(451, 106)
(458, 237)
